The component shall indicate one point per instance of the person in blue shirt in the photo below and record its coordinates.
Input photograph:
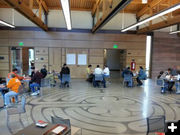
(141, 76)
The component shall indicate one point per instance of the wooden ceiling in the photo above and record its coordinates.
(135, 7)
(87, 5)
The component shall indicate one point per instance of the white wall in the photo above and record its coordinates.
(80, 19)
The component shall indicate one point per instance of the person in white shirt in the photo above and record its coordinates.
(106, 71)
(98, 70)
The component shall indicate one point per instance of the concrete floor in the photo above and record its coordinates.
(112, 111)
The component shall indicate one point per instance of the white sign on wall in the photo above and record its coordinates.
(71, 59)
(82, 59)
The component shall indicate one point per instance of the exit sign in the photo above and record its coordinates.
(115, 46)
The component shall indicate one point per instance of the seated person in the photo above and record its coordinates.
(44, 71)
(13, 85)
(98, 71)
(89, 73)
(36, 82)
(141, 76)
(127, 72)
(168, 79)
(106, 71)
(160, 76)
(15, 71)
(50, 76)
(64, 71)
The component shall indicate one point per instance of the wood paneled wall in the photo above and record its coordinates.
(51, 47)
(165, 52)
(4, 61)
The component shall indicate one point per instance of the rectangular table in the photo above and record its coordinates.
(34, 130)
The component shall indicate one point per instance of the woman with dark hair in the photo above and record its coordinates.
(141, 76)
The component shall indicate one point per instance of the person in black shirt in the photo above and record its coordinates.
(44, 71)
(65, 70)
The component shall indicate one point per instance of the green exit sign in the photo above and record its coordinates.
(115, 46)
(21, 44)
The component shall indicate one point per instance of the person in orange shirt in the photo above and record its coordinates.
(15, 71)
(13, 85)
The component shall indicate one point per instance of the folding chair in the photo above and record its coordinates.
(98, 79)
(128, 79)
(17, 109)
(177, 87)
(44, 84)
(155, 124)
(65, 80)
(162, 84)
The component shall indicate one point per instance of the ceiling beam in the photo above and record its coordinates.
(109, 9)
(95, 7)
(146, 8)
(160, 25)
(27, 12)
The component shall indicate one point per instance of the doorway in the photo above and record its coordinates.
(22, 59)
(115, 60)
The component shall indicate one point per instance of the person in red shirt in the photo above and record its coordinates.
(15, 71)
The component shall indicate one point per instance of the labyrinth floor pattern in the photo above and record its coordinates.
(112, 111)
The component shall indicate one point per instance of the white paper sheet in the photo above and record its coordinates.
(58, 130)
(71, 59)
(82, 59)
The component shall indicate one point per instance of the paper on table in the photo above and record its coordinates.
(58, 129)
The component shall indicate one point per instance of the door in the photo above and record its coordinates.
(16, 58)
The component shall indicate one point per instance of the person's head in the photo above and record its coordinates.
(44, 66)
(98, 66)
(128, 68)
(161, 72)
(89, 66)
(13, 76)
(15, 70)
(169, 70)
(65, 65)
(133, 60)
(141, 67)
(105, 66)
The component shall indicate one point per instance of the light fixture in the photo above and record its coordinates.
(174, 32)
(66, 10)
(166, 11)
(6, 24)
(144, 1)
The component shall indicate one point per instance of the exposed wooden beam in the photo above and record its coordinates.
(146, 8)
(42, 2)
(95, 7)
(31, 4)
(114, 7)
(160, 25)
(27, 12)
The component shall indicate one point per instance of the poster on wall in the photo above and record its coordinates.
(82, 59)
(71, 59)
